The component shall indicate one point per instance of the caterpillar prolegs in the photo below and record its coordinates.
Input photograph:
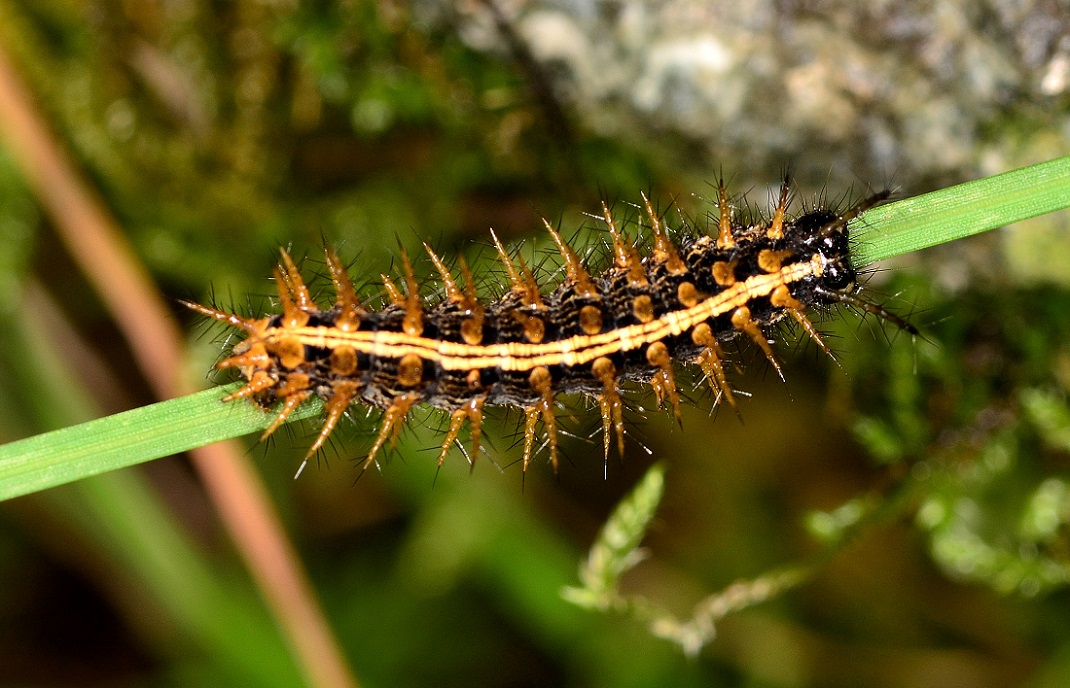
(677, 300)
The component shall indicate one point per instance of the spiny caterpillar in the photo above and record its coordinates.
(678, 303)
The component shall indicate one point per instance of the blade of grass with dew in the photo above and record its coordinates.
(173, 426)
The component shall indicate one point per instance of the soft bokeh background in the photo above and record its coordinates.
(217, 131)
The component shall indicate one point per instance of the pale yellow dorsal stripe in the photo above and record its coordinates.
(572, 351)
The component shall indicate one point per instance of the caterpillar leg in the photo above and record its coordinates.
(742, 321)
(664, 384)
(710, 360)
(472, 411)
(541, 382)
(782, 297)
(390, 430)
(611, 405)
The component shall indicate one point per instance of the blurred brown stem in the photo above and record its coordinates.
(94, 241)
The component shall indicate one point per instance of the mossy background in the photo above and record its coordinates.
(216, 132)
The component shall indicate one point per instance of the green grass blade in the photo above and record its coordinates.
(128, 438)
(963, 210)
(170, 427)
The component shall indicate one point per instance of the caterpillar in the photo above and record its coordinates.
(678, 300)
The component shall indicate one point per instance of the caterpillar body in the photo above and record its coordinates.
(679, 300)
